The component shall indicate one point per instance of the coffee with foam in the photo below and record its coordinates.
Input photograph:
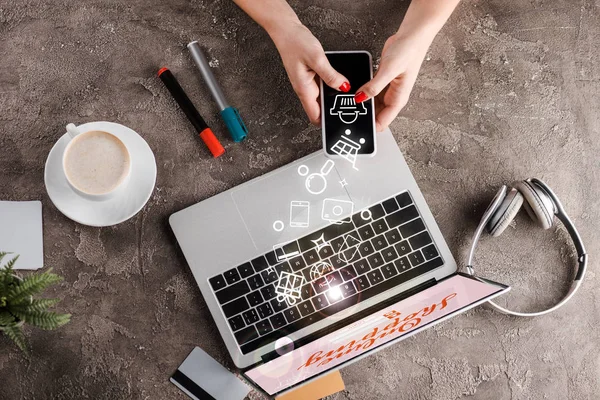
(96, 162)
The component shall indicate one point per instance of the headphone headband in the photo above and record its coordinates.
(582, 258)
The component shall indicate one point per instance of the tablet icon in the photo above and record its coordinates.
(345, 107)
(299, 214)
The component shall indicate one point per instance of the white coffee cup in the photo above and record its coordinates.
(96, 163)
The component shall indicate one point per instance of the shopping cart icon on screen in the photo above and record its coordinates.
(347, 149)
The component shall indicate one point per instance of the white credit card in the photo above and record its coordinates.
(203, 378)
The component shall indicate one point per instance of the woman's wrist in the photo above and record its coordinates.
(279, 28)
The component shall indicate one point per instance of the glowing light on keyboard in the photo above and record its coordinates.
(335, 293)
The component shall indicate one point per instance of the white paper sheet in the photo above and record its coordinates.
(21, 232)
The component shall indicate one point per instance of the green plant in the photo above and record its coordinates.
(18, 307)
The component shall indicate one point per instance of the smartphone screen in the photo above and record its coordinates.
(348, 127)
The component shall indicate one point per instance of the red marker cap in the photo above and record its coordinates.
(211, 141)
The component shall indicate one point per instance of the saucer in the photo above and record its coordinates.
(117, 209)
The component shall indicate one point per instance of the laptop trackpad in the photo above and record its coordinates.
(292, 202)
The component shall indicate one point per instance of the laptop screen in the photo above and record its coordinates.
(451, 296)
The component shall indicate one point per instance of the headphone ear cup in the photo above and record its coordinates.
(537, 204)
(505, 213)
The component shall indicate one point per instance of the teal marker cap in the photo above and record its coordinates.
(234, 123)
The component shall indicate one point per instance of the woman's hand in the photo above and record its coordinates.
(304, 58)
(401, 60)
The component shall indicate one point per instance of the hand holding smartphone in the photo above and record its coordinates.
(348, 127)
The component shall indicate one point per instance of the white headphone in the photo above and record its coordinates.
(542, 205)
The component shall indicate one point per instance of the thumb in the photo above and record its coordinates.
(329, 75)
(372, 88)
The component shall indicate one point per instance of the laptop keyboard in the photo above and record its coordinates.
(340, 266)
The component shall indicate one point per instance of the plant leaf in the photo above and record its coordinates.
(35, 305)
(12, 262)
(16, 335)
(31, 285)
(44, 319)
(2, 255)
(6, 318)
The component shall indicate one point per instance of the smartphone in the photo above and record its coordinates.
(348, 127)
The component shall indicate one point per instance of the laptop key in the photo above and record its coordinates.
(260, 263)
(333, 296)
(254, 298)
(337, 262)
(277, 305)
(379, 226)
(232, 292)
(272, 258)
(362, 266)
(236, 323)
(297, 263)
(264, 327)
(250, 317)
(389, 254)
(418, 241)
(264, 310)
(246, 335)
(348, 273)
(402, 264)
(404, 199)
(245, 270)
(255, 282)
(269, 275)
(268, 292)
(377, 211)
(235, 307)
(375, 260)
(361, 283)
(393, 236)
(366, 249)
(283, 267)
(366, 232)
(379, 242)
(375, 277)
(320, 301)
(291, 314)
(311, 257)
(325, 252)
(401, 217)
(416, 258)
(411, 228)
(359, 220)
(390, 205)
(217, 282)
(347, 289)
(430, 252)
(389, 270)
(306, 308)
(403, 248)
(306, 292)
(277, 321)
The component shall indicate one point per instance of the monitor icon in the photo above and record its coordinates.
(345, 107)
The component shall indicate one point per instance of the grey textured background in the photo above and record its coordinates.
(509, 90)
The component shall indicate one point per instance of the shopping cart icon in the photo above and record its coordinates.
(347, 149)
(288, 287)
(345, 107)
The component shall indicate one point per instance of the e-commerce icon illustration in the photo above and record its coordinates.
(316, 183)
(288, 287)
(346, 108)
(349, 248)
(278, 226)
(320, 242)
(281, 254)
(366, 215)
(337, 211)
(299, 214)
(320, 269)
(348, 148)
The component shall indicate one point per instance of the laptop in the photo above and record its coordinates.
(318, 250)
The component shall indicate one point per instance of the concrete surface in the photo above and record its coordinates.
(509, 90)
